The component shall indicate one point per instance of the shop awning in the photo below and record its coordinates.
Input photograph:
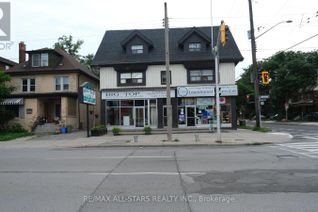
(12, 101)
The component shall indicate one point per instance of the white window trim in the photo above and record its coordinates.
(41, 62)
(62, 83)
(135, 49)
(28, 85)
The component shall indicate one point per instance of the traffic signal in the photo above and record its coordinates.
(224, 30)
(265, 77)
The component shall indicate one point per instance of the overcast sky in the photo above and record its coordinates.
(40, 22)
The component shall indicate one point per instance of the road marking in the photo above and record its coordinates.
(111, 157)
(310, 137)
(295, 152)
(309, 149)
(147, 173)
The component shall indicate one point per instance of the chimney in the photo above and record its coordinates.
(21, 52)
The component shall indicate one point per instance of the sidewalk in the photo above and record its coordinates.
(79, 139)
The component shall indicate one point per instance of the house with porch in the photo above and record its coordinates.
(133, 78)
(46, 90)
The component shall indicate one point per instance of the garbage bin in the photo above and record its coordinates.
(63, 130)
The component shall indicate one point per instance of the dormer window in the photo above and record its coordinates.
(194, 47)
(40, 60)
(137, 49)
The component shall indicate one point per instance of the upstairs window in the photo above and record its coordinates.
(201, 76)
(28, 85)
(131, 78)
(137, 49)
(194, 47)
(164, 78)
(61, 83)
(40, 60)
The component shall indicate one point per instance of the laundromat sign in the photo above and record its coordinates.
(136, 94)
(195, 91)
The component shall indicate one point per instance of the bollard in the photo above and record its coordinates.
(196, 137)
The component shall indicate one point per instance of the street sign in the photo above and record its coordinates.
(88, 94)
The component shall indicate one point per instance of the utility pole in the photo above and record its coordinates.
(167, 58)
(254, 66)
(215, 50)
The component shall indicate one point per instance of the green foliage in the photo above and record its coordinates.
(6, 136)
(116, 130)
(292, 74)
(6, 116)
(147, 130)
(17, 128)
(72, 47)
(67, 44)
(5, 88)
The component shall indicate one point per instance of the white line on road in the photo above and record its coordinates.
(309, 137)
(111, 157)
(295, 152)
(146, 173)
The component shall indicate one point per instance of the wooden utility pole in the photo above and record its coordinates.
(255, 72)
(167, 59)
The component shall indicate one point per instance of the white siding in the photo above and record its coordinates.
(178, 75)
(227, 73)
(108, 76)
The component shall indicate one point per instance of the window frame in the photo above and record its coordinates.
(62, 83)
(28, 85)
(41, 62)
(196, 46)
(163, 74)
(131, 83)
(135, 50)
(200, 75)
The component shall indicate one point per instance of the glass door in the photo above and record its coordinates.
(190, 115)
(139, 116)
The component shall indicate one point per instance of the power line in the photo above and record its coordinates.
(301, 42)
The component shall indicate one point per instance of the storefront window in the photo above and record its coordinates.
(226, 112)
(126, 116)
(112, 112)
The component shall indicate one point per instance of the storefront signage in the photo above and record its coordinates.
(136, 94)
(195, 91)
(88, 94)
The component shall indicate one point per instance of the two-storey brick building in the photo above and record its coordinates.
(46, 89)
(132, 78)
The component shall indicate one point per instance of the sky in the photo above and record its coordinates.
(39, 23)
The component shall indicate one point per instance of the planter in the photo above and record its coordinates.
(98, 131)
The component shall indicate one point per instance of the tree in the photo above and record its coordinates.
(72, 47)
(5, 88)
(292, 74)
(5, 91)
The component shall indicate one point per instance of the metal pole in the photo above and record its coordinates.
(167, 59)
(254, 66)
(87, 120)
(217, 91)
(214, 50)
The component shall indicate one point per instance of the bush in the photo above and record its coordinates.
(116, 130)
(17, 128)
(147, 130)
(6, 116)
(99, 130)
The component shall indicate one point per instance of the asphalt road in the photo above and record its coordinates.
(246, 178)
(299, 131)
